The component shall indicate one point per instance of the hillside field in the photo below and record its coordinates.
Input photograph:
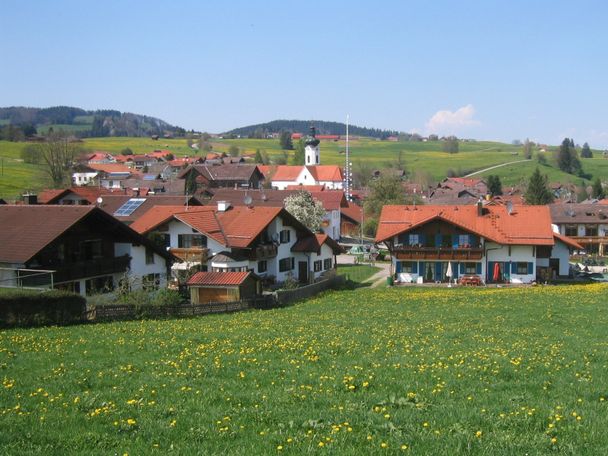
(418, 371)
(420, 158)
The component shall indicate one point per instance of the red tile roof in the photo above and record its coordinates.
(529, 225)
(353, 212)
(157, 215)
(218, 278)
(110, 167)
(331, 173)
(287, 173)
(50, 194)
(568, 241)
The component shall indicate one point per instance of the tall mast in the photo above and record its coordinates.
(347, 168)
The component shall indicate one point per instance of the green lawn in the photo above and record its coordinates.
(357, 273)
(420, 158)
(429, 371)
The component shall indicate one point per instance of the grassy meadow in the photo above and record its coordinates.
(420, 158)
(418, 371)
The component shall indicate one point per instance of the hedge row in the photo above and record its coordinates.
(31, 308)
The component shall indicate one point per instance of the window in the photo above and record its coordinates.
(522, 267)
(590, 230)
(286, 264)
(470, 268)
(150, 282)
(407, 266)
(571, 230)
(463, 240)
(327, 263)
(318, 266)
(414, 239)
(262, 266)
(149, 256)
(285, 236)
(91, 249)
(186, 241)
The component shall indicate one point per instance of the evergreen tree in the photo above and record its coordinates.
(538, 189)
(494, 185)
(190, 184)
(597, 190)
(299, 156)
(586, 151)
(567, 158)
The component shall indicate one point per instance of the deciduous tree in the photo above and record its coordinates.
(306, 209)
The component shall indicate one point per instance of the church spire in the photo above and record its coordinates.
(311, 150)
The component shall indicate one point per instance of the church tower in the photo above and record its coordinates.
(312, 155)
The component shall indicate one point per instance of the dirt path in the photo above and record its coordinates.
(494, 167)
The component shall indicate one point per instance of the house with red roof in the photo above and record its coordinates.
(497, 244)
(208, 287)
(267, 241)
(332, 200)
(329, 176)
(76, 248)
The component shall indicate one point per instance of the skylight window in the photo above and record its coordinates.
(130, 206)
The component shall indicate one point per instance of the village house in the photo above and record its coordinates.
(215, 176)
(587, 224)
(332, 200)
(129, 207)
(497, 244)
(76, 248)
(267, 241)
(110, 175)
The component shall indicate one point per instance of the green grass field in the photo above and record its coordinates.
(423, 371)
(420, 158)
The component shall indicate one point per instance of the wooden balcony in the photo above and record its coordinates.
(91, 268)
(263, 251)
(438, 253)
(590, 239)
(191, 254)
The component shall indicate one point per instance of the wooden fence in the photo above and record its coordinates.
(282, 298)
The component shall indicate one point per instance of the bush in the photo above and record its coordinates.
(32, 308)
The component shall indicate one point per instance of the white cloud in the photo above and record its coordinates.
(448, 122)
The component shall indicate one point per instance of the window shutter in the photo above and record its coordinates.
(478, 268)
(421, 268)
(513, 268)
(398, 267)
(462, 270)
(530, 268)
(415, 267)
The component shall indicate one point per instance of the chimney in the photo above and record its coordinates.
(223, 206)
(30, 198)
(480, 207)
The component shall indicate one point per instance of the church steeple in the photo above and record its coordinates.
(311, 150)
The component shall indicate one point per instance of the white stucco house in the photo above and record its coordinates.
(494, 243)
(267, 241)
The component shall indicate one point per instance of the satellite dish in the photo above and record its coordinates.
(509, 207)
(99, 200)
(247, 200)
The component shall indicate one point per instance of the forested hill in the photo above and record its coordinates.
(83, 123)
(303, 126)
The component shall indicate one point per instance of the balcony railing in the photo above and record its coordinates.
(91, 268)
(590, 239)
(264, 251)
(191, 254)
(409, 252)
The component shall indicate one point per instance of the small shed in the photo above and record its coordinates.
(208, 287)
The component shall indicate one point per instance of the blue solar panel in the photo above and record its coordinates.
(130, 206)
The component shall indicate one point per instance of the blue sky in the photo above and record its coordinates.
(482, 69)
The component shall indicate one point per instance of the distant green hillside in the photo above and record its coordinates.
(82, 123)
(302, 126)
(423, 160)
